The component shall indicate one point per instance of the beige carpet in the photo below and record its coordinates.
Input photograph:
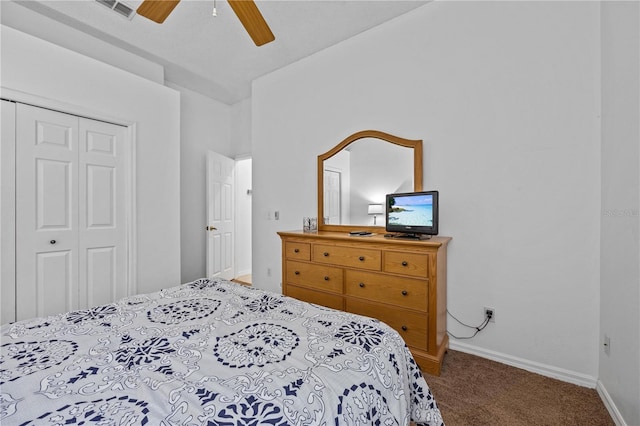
(476, 391)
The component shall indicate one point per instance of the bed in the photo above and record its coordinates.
(210, 352)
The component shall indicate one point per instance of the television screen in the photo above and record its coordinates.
(412, 213)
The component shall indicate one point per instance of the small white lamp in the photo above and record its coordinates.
(375, 209)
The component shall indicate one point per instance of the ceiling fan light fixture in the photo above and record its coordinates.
(246, 11)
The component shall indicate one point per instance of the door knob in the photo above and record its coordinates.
(211, 228)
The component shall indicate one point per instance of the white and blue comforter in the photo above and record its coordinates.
(210, 353)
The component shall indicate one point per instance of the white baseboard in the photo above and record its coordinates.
(525, 364)
(611, 406)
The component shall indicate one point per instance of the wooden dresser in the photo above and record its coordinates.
(400, 282)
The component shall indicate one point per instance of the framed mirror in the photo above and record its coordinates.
(355, 176)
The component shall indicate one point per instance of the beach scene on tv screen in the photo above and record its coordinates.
(411, 210)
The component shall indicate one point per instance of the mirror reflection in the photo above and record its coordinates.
(355, 175)
(357, 178)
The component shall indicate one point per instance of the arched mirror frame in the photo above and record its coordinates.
(416, 145)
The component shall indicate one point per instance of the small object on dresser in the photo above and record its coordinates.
(309, 224)
(360, 233)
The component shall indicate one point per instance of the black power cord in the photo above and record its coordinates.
(478, 328)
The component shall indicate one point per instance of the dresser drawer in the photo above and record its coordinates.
(322, 277)
(296, 250)
(404, 292)
(319, 298)
(355, 257)
(412, 326)
(414, 264)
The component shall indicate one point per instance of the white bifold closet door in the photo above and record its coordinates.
(70, 212)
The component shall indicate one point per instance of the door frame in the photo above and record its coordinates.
(7, 203)
(238, 194)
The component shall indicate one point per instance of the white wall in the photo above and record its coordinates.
(37, 67)
(505, 96)
(204, 126)
(619, 371)
(21, 18)
(241, 128)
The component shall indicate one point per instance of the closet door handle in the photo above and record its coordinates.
(52, 241)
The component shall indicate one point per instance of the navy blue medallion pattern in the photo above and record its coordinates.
(210, 352)
(257, 345)
(21, 359)
(183, 310)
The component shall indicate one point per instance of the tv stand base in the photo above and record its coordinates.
(409, 236)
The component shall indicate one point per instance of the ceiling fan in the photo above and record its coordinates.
(246, 10)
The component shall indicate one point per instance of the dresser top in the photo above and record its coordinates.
(435, 241)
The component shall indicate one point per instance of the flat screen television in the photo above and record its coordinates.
(412, 214)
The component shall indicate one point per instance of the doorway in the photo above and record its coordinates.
(243, 221)
(228, 242)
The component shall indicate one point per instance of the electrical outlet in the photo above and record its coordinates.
(607, 344)
(490, 313)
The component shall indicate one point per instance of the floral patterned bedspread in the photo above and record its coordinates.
(209, 352)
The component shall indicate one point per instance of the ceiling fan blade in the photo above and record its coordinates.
(157, 10)
(253, 21)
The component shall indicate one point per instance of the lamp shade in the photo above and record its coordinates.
(375, 209)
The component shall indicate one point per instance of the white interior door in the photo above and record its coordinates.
(70, 217)
(220, 225)
(102, 256)
(332, 197)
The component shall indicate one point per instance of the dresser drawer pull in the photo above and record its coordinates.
(361, 284)
(404, 328)
(296, 250)
(405, 263)
(326, 277)
(361, 258)
(297, 272)
(325, 254)
(404, 292)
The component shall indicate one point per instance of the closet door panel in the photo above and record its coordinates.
(102, 255)
(54, 198)
(46, 212)
(54, 282)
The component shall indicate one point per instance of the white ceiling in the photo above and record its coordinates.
(214, 55)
